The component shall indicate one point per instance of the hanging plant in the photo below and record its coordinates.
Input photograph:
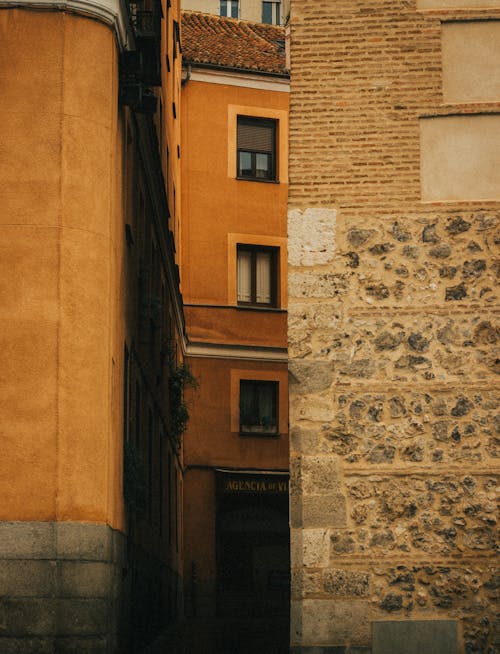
(179, 378)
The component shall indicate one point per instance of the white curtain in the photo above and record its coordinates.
(244, 274)
(263, 278)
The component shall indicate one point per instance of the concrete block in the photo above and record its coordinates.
(85, 580)
(82, 617)
(27, 540)
(20, 578)
(335, 621)
(27, 645)
(324, 511)
(84, 541)
(414, 637)
(28, 617)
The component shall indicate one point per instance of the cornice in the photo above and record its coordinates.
(240, 352)
(110, 12)
(231, 77)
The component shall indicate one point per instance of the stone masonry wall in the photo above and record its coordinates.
(393, 337)
(60, 588)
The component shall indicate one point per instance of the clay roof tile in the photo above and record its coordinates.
(230, 43)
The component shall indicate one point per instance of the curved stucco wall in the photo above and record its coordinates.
(57, 171)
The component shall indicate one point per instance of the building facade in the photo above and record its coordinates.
(273, 12)
(232, 254)
(393, 325)
(91, 327)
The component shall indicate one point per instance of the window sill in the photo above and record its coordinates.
(258, 307)
(257, 179)
(260, 434)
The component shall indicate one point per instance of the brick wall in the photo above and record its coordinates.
(393, 323)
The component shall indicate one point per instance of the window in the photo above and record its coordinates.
(229, 8)
(271, 13)
(258, 407)
(257, 275)
(256, 148)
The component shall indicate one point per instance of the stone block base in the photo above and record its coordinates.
(61, 588)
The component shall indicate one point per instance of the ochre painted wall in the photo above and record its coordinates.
(210, 440)
(214, 203)
(59, 210)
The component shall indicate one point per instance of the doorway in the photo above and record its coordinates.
(253, 561)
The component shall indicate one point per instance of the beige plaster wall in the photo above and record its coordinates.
(249, 9)
(460, 158)
(471, 61)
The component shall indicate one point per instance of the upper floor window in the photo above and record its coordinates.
(229, 8)
(256, 143)
(271, 13)
(258, 407)
(257, 275)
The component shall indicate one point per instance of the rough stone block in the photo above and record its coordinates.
(310, 376)
(81, 617)
(345, 583)
(20, 578)
(311, 407)
(27, 540)
(320, 474)
(295, 623)
(311, 236)
(335, 621)
(92, 579)
(28, 617)
(305, 583)
(315, 548)
(360, 650)
(304, 440)
(414, 637)
(313, 285)
(296, 509)
(84, 541)
(324, 511)
(26, 645)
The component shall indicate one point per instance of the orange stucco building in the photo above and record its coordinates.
(90, 311)
(232, 255)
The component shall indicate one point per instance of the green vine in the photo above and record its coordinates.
(179, 378)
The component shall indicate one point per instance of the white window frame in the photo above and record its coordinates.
(276, 11)
(230, 4)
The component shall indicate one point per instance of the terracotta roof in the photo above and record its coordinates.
(230, 43)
